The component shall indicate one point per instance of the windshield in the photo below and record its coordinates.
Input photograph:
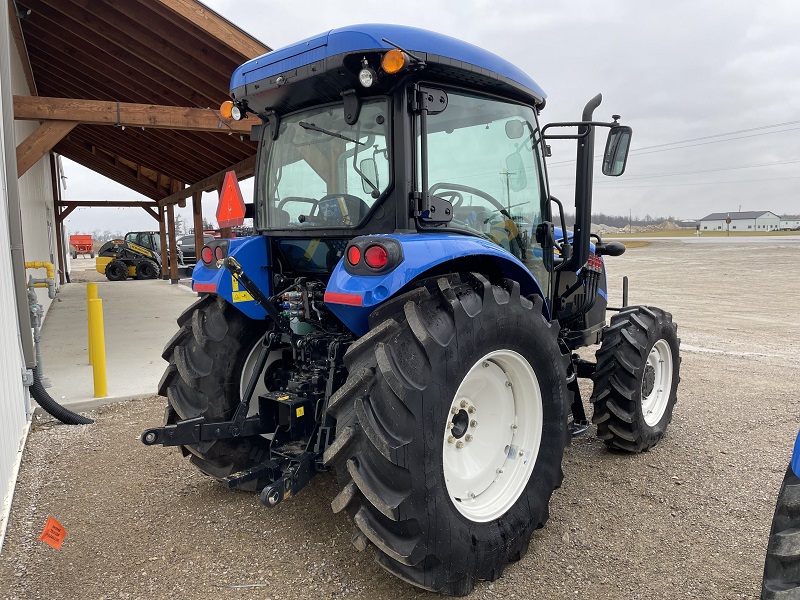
(322, 172)
(483, 157)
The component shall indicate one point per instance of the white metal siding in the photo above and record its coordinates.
(12, 393)
(35, 191)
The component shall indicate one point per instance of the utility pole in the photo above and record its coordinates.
(508, 174)
(630, 223)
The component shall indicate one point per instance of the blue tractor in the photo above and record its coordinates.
(409, 312)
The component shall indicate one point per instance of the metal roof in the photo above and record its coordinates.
(738, 216)
(162, 52)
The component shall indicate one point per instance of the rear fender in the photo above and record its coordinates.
(353, 297)
(252, 254)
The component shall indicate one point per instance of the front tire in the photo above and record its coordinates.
(207, 357)
(431, 372)
(636, 378)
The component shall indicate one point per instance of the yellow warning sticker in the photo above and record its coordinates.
(282, 398)
(238, 296)
(300, 411)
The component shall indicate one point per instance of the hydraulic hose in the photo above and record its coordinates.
(54, 408)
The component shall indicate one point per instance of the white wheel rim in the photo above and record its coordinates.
(657, 382)
(492, 435)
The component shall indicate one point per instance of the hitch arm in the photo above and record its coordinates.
(237, 272)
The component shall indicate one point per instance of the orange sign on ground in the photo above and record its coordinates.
(53, 533)
(230, 211)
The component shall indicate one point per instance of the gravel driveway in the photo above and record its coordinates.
(688, 519)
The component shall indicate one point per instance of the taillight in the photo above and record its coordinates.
(376, 257)
(219, 253)
(207, 254)
(353, 255)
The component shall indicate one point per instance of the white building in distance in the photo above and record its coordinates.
(754, 220)
(790, 223)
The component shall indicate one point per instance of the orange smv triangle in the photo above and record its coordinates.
(53, 533)
(230, 211)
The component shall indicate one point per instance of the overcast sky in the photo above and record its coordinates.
(675, 71)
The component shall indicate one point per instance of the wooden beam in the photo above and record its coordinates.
(162, 232)
(40, 142)
(151, 211)
(109, 203)
(98, 112)
(217, 27)
(197, 217)
(65, 213)
(22, 49)
(173, 248)
(243, 169)
(55, 182)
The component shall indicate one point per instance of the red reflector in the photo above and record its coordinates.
(207, 254)
(219, 253)
(230, 211)
(376, 257)
(205, 287)
(339, 298)
(353, 255)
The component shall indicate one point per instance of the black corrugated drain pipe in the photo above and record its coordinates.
(54, 408)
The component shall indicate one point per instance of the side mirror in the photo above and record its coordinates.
(515, 168)
(616, 155)
(369, 169)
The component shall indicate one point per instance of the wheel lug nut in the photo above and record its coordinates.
(521, 453)
(463, 404)
(468, 437)
(471, 409)
(454, 410)
(459, 444)
(513, 426)
(470, 494)
(509, 384)
(450, 439)
(473, 423)
(499, 471)
(485, 364)
(450, 425)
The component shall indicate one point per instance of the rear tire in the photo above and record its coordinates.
(636, 379)
(75, 254)
(782, 565)
(206, 358)
(398, 467)
(147, 269)
(117, 270)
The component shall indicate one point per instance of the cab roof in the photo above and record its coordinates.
(446, 56)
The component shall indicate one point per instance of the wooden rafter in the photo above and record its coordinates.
(97, 112)
(217, 27)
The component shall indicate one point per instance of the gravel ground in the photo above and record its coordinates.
(688, 519)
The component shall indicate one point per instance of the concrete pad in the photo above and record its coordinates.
(139, 318)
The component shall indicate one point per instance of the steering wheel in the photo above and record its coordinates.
(303, 199)
(455, 188)
(339, 210)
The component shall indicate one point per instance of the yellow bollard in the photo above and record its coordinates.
(98, 345)
(91, 294)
